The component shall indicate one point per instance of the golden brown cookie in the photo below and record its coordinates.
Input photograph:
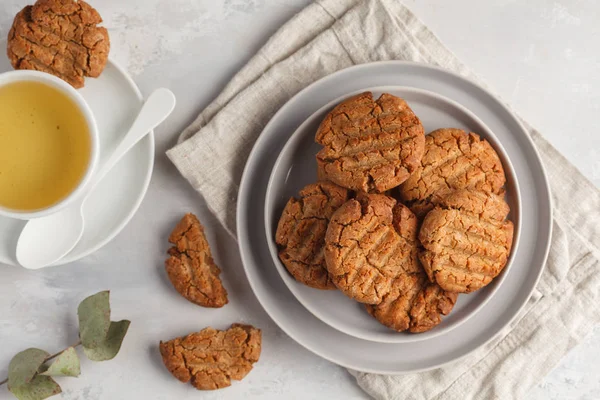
(370, 146)
(369, 243)
(60, 37)
(453, 159)
(466, 240)
(212, 358)
(191, 267)
(301, 232)
(413, 303)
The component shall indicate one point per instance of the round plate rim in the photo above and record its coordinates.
(142, 194)
(289, 281)
(546, 194)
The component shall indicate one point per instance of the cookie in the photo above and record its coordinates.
(212, 358)
(191, 268)
(368, 244)
(301, 232)
(370, 145)
(60, 37)
(413, 304)
(453, 160)
(466, 240)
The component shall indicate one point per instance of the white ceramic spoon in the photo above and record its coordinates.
(46, 240)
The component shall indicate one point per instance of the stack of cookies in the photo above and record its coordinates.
(398, 220)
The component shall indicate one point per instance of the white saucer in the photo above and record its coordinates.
(115, 100)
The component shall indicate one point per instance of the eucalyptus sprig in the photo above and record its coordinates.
(30, 372)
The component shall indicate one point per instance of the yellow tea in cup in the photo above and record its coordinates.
(45, 146)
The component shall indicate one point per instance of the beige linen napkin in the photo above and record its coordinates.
(333, 34)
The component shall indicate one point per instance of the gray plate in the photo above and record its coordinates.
(296, 167)
(395, 358)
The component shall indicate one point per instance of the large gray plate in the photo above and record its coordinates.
(394, 358)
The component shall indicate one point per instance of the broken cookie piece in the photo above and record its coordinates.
(212, 358)
(191, 267)
(59, 37)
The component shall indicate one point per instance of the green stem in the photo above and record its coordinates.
(50, 358)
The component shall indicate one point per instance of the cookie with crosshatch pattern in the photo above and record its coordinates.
(453, 160)
(370, 145)
(301, 231)
(368, 245)
(466, 240)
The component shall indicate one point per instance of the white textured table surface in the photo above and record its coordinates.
(542, 56)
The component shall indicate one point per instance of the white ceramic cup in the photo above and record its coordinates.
(57, 83)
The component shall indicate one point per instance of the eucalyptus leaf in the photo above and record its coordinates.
(39, 388)
(66, 364)
(110, 347)
(24, 366)
(94, 319)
